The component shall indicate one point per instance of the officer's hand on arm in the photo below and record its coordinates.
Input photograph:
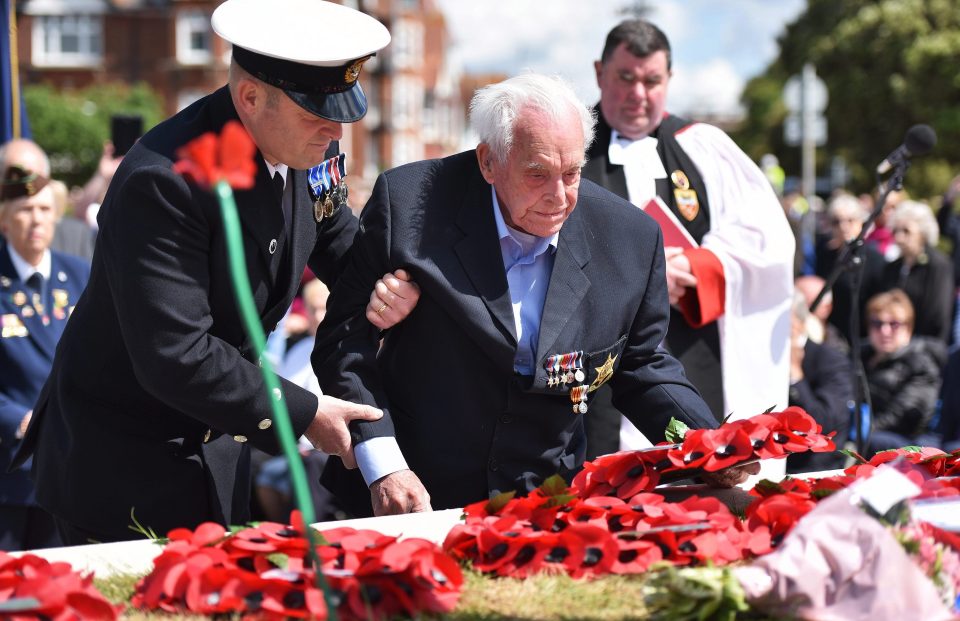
(730, 477)
(399, 492)
(393, 298)
(679, 274)
(328, 432)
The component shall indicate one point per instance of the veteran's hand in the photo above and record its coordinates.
(729, 477)
(679, 274)
(399, 492)
(328, 431)
(24, 423)
(393, 298)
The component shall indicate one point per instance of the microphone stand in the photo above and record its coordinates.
(851, 259)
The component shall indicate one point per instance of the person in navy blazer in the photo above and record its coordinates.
(485, 388)
(32, 320)
(156, 393)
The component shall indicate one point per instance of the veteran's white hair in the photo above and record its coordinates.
(494, 109)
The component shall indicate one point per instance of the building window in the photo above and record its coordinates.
(407, 98)
(407, 48)
(67, 40)
(193, 37)
(406, 149)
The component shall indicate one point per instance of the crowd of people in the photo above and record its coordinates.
(492, 318)
(906, 311)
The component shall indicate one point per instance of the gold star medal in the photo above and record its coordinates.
(604, 373)
(687, 203)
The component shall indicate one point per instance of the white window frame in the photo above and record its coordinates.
(407, 47)
(88, 28)
(190, 22)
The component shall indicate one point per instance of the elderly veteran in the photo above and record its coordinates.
(38, 289)
(156, 391)
(536, 288)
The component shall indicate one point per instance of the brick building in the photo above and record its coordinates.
(416, 105)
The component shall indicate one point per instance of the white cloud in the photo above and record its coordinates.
(717, 45)
(699, 90)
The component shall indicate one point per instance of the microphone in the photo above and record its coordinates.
(919, 140)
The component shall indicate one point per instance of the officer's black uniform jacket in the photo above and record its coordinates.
(154, 390)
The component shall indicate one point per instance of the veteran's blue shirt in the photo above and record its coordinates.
(528, 261)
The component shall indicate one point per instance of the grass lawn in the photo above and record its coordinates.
(613, 598)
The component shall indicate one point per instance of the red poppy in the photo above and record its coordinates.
(599, 549)
(241, 573)
(594, 479)
(60, 592)
(208, 159)
(725, 447)
(206, 534)
(692, 453)
(634, 556)
(632, 474)
(778, 513)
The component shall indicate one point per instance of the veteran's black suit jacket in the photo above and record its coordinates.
(466, 424)
(154, 389)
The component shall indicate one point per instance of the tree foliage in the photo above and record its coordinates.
(887, 65)
(72, 126)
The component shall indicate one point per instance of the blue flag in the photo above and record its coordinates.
(13, 114)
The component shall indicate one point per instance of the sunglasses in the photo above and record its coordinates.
(877, 324)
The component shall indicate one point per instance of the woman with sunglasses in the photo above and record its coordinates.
(903, 372)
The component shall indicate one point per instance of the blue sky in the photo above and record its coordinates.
(717, 44)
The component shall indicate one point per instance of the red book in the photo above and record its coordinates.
(674, 233)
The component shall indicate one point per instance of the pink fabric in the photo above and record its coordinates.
(840, 564)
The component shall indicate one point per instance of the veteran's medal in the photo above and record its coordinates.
(60, 298)
(604, 373)
(12, 326)
(554, 373)
(687, 202)
(578, 395)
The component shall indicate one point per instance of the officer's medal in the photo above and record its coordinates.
(327, 187)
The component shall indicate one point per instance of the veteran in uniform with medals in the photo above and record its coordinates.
(156, 394)
(536, 289)
(731, 290)
(38, 289)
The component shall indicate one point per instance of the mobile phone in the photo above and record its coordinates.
(125, 130)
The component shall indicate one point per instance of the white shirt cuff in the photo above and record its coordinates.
(378, 457)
